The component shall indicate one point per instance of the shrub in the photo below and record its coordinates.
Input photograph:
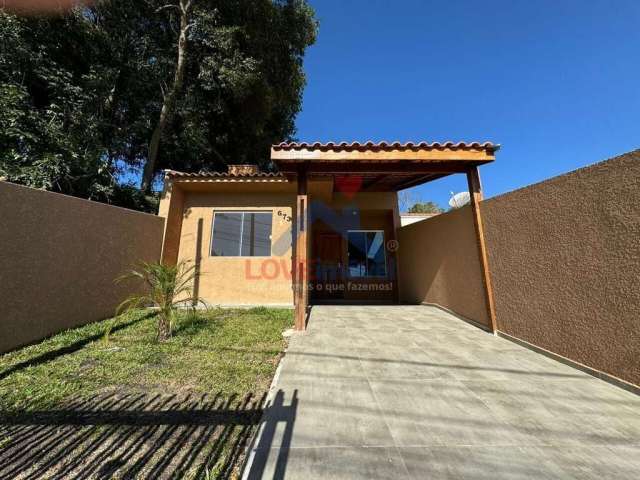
(167, 288)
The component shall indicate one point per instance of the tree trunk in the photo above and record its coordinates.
(164, 324)
(170, 98)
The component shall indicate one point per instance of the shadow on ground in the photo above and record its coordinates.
(68, 349)
(277, 414)
(129, 435)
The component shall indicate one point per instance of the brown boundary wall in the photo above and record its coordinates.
(59, 256)
(439, 264)
(564, 257)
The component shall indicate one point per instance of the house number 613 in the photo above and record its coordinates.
(286, 217)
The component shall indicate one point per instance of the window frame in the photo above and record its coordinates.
(213, 224)
(384, 254)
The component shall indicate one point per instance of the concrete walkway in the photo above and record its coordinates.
(404, 392)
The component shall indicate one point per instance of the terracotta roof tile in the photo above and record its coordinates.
(221, 175)
(346, 146)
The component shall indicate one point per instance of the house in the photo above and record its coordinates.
(322, 229)
(407, 218)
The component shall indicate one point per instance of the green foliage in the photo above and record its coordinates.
(426, 207)
(166, 288)
(80, 94)
(57, 106)
(243, 85)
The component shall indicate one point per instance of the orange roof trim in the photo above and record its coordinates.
(372, 146)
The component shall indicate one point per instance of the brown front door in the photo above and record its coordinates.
(328, 280)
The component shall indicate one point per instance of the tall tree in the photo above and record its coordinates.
(170, 97)
(49, 137)
(184, 84)
(242, 85)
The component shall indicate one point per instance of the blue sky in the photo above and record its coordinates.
(555, 82)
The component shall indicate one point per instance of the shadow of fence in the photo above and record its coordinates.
(130, 436)
(270, 454)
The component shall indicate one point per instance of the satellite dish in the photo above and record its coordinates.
(459, 199)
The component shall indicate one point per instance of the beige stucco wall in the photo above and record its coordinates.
(239, 280)
(59, 256)
(246, 280)
(171, 208)
(565, 264)
(439, 264)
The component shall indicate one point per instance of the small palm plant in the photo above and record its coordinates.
(167, 287)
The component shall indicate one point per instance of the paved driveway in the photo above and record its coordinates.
(412, 392)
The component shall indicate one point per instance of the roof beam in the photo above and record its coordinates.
(419, 180)
(475, 191)
(374, 182)
(406, 168)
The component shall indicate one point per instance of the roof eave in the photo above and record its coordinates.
(304, 155)
(475, 152)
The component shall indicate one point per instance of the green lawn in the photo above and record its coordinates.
(190, 403)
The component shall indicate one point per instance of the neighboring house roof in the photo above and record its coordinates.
(411, 214)
(407, 218)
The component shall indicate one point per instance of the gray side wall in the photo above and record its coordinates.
(59, 256)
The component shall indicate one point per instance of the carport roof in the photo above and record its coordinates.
(351, 146)
(383, 166)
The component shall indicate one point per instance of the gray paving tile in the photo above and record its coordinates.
(522, 463)
(316, 362)
(387, 392)
(399, 363)
(563, 412)
(331, 464)
(478, 463)
(328, 412)
(595, 462)
(440, 412)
